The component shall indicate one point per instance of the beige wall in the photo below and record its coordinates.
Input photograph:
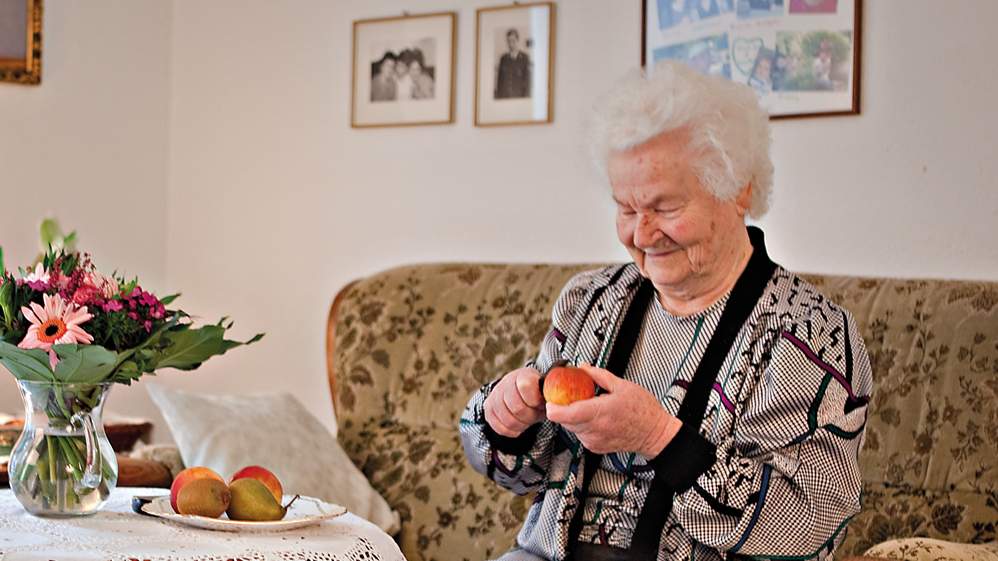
(90, 144)
(273, 202)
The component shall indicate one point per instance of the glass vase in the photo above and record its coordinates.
(63, 464)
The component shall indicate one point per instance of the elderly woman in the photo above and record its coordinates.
(733, 394)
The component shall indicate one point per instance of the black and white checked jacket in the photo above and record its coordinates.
(772, 472)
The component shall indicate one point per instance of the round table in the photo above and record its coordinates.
(117, 533)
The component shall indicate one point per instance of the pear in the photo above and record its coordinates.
(203, 497)
(253, 501)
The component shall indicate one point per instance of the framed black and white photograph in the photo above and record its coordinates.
(403, 70)
(515, 64)
(21, 41)
(802, 57)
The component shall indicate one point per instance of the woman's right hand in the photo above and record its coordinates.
(515, 403)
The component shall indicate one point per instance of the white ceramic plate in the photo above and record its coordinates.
(306, 511)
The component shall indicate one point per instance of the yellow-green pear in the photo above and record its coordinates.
(203, 497)
(252, 501)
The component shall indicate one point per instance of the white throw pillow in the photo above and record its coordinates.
(229, 432)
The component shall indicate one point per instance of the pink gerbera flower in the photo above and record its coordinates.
(57, 323)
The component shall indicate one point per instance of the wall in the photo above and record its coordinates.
(89, 146)
(275, 203)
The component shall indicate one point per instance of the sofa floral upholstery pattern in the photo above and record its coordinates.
(410, 345)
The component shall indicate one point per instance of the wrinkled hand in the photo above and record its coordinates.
(627, 418)
(515, 403)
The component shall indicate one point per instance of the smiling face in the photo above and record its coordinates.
(682, 238)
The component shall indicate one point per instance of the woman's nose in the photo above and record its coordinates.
(646, 233)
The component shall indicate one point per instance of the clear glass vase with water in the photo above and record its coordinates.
(63, 464)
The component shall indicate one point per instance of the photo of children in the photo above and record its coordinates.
(761, 77)
(709, 55)
(813, 61)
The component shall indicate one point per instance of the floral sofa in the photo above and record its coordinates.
(407, 346)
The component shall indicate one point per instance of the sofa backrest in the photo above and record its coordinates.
(408, 346)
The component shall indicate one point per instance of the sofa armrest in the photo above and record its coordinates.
(135, 472)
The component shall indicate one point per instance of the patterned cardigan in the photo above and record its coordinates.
(772, 472)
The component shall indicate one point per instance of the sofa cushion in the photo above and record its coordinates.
(925, 549)
(891, 512)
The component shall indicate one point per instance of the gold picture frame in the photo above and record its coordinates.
(519, 90)
(21, 65)
(399, 66)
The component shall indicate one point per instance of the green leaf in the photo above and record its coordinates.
(26, 364)
(167, 300)
(229, 344)
(83, 364)
(7, 300)
(2, 269)
(127, 372)
(189, 348)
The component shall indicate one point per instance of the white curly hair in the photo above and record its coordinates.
(728, 129)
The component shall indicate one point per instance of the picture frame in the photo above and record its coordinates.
(403, 70)
(21, 41)
(802, 57)
(514, 64)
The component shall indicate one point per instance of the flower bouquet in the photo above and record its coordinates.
(68, 333)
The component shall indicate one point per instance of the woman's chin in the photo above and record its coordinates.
(665, 271)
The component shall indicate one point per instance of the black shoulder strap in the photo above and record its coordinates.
(620, 355)
(744, 296)
(658, 503)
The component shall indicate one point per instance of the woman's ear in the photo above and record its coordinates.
(744, 200)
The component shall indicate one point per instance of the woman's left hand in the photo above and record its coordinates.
(627, 418)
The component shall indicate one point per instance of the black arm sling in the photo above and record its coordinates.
(658, 503)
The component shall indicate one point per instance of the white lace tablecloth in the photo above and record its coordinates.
(116, 533)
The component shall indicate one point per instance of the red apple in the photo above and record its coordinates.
(567, 384)
(264, 476)
(185, 477)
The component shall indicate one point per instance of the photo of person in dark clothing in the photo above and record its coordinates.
(513, 70)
